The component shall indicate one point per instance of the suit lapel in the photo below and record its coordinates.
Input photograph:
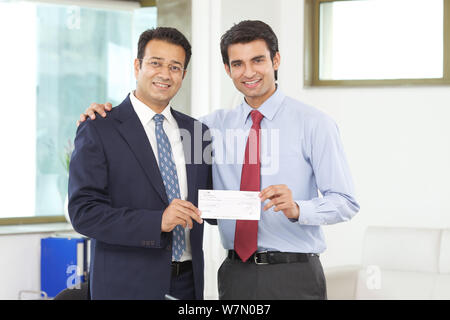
(131, 129)
(186, 125)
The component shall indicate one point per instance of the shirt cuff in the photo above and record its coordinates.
(307, 210)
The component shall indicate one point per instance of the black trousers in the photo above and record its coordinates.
(182, 286)
(285, 281)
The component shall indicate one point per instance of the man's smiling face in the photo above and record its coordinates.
(157, 84)
(252, 70)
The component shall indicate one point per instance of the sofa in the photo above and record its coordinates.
(397, 264)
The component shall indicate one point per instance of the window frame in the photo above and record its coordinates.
(32, 220)
(116, 5)
(311, 53)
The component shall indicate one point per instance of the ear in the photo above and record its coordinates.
(276, 61)
(184, 74)
(227, 69)
(137, 67)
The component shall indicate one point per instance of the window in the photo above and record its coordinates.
(370, 42)
(55, 61)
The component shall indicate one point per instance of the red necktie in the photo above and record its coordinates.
(246, 233)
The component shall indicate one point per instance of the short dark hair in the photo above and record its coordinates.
(170, 35)
(247, 31)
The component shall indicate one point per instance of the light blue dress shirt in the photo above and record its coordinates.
(301, 148)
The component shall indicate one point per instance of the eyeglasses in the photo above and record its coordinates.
(157, 65)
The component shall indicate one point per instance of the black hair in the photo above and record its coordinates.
(248, 31)
(170, 35)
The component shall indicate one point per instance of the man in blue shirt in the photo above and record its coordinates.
(298, 152)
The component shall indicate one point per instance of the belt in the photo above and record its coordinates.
(272, 257)
(180, 267)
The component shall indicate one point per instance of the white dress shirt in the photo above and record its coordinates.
(170, 126)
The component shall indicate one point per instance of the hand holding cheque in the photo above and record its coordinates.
(246, 205)
(179, 212)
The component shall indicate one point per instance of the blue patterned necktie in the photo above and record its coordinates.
(170, 178)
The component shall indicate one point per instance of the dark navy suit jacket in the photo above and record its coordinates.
(117, 197)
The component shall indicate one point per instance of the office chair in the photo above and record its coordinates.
(73, 293)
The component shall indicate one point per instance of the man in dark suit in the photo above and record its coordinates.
(133, 183)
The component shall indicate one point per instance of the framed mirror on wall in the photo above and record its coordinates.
(377, 42)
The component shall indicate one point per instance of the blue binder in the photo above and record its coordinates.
(63, 263)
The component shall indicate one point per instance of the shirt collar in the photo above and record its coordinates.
(146, 114)
(268, 109)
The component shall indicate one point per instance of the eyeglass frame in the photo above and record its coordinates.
(168, 64)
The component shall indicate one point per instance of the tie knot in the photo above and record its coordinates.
(256, 117)
(159, 119)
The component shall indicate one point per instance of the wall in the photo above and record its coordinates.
(20, 264)
(20, 267)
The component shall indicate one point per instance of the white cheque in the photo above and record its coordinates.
(229, 204)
